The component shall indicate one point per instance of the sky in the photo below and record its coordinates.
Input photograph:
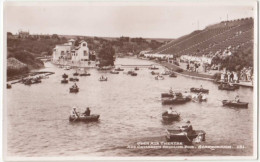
(137, 19)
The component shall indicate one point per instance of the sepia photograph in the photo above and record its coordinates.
(148, 80)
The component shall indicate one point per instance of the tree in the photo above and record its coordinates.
(106, 55)
(55, 36)
(9, 34)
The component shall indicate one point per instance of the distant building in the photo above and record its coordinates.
(23, 34)
(68, 51)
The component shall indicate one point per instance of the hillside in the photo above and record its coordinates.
(24, 51)
(234, 36)
(122, 45)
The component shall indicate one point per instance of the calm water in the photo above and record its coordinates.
(130, 111)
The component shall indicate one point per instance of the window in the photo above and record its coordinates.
(84, 44)
(85, 53)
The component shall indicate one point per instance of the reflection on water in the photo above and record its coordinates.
(130, 111)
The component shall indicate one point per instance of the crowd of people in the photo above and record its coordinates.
(246, 75)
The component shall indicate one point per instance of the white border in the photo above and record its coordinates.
(142, 3)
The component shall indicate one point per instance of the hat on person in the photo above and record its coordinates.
(188, 121)
(74, 107)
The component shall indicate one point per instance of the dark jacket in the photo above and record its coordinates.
(87, 112)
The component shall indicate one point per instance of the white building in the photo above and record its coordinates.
(69, 52)
(80, 53)
(201, 59)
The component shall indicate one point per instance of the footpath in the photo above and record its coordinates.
(180, 71)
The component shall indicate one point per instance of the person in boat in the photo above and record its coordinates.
(237, 99)
(187, 128)
(199, 96)
(74, 112)
(171, 91)
(170, 111)
(87, 112)
(75, 86)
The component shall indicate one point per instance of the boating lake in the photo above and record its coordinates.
(130, 111)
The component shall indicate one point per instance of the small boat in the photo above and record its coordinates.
(174, 135)
(154, 73)
(114, 72)
(90, 118)
(74, 90)
(227, 84)
(235, 104)
(119, 69)
(136, 68)
(75, 74)
(153, 68)
(28, 82)
(64, 81)
(171, 95)
(177, 100)
(132, 73)
(67, 67)
(74, 79)
(197, 90)
(195, 98)
(163, 95)
(159, 77)
(105, 68)
(37, 80)
(103, 79)
(166, 73)
(65, 76)
(172, 75)
(170, 117)
(8, 86)
(226, 87)
(85, 74)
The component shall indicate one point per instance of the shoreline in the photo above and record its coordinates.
(173, 68)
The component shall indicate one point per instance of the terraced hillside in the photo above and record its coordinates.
(235, 35)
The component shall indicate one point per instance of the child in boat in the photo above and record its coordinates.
(170, 111)
(199, 95)
(237, 99)
(75, 86)
(170, 91)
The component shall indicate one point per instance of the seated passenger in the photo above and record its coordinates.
(170, 91)
(237, 99)
(74, 112)
(75, 86)
(187, 128)
(170, 111)
(87, 112)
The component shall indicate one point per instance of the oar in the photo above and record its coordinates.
(155, 115)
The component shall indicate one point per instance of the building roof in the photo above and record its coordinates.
(71, 40)
(81, 41)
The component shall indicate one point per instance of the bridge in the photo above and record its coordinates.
(135, 65)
